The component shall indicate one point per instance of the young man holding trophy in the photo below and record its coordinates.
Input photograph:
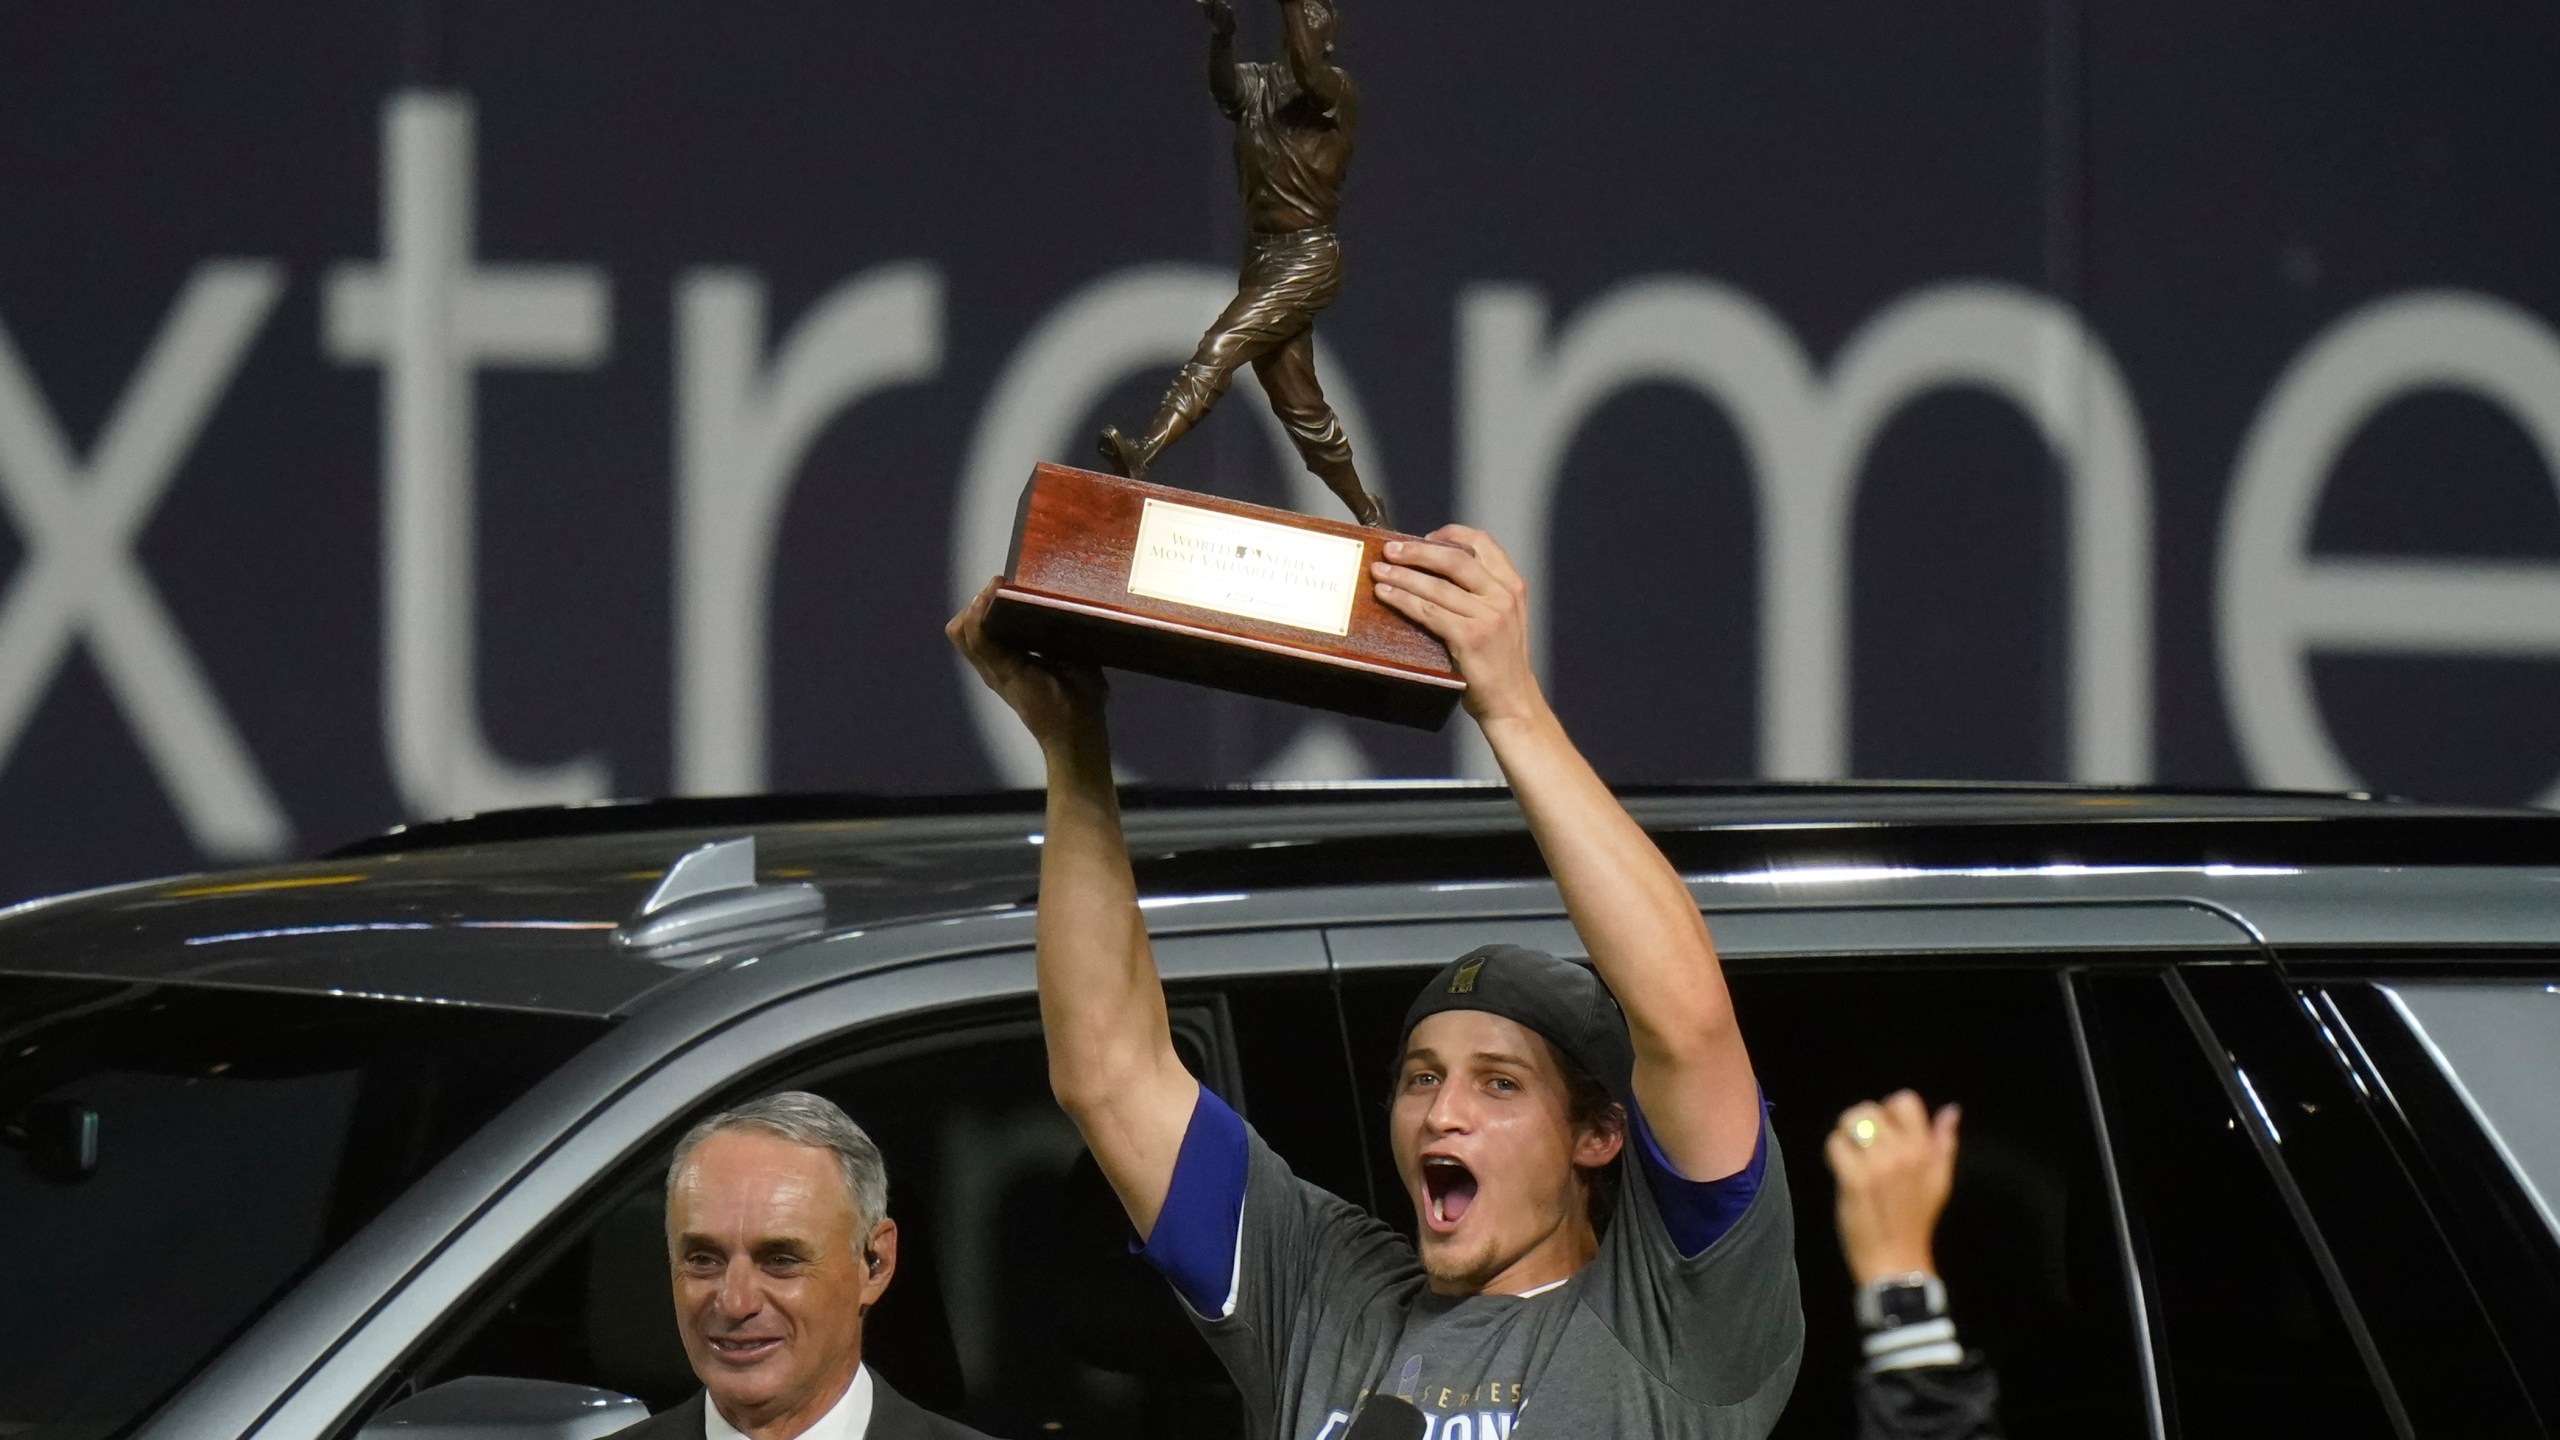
(1604, 1241)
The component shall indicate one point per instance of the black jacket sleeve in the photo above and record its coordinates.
(1930, 1402)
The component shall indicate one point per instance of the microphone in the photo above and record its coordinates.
(1384, 1417)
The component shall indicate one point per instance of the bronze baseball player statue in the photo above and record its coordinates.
(1294, 124)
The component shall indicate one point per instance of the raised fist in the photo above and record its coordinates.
(1221, 13)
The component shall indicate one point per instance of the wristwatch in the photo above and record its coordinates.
(1891, 1301)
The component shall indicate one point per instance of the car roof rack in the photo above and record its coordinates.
(723, 812)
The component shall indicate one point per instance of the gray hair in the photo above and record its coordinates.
(814, 1121)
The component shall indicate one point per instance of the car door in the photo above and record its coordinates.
(2030, 1246)
(2299, 1280)
(1017, 1304)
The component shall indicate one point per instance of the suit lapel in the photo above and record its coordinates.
(893, 1416)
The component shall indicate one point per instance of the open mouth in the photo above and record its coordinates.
(1448, 1189)
(745, 1349)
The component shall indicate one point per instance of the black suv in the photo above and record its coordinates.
(2262, 1093)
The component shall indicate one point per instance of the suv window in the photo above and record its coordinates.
(2252, 1339)
(1017, 1306)
(2442, 1359)
(179, 1156)
(2028, 1246)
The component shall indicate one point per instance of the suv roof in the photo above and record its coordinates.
(518, 909)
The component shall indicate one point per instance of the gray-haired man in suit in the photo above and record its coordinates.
(780, 1241)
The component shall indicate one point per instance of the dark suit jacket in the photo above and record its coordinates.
(893, 1417)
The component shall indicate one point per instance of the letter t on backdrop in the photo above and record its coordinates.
(429, 315)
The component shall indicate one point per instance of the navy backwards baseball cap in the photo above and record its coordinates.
(1560, 1000)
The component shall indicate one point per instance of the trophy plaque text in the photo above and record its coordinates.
(1118, 572)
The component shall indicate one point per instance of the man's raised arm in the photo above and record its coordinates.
(1111, 1058)
(1692, 1076)
(1222, 56)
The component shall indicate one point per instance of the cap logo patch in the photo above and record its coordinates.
(1464, 982)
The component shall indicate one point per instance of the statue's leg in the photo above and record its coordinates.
(1239, 334)
(1289, 378)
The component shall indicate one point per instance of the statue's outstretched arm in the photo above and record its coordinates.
(1315, 74)
(1222, 56)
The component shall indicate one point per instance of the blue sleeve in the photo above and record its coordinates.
(1696, 1212)
(1194, 1242)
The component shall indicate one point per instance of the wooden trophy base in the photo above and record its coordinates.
(1215, 592)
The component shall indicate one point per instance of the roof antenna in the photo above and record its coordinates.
(710, 906)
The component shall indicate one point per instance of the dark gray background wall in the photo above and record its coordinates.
(2193, 196)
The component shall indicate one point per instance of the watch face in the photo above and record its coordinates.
(1904, 1304)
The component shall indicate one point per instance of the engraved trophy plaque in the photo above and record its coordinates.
(1217, 592)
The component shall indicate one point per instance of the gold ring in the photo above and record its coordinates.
(1863, 1131)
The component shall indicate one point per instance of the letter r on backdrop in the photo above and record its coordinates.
(742, 429)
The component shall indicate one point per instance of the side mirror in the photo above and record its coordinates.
(486, 1407)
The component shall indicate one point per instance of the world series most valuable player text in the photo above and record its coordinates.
(1251, 568)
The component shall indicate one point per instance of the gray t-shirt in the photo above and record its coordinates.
(1329, 1305)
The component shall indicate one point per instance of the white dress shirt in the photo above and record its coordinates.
(849, 1420)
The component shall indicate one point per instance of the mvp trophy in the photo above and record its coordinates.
(1111, 570)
